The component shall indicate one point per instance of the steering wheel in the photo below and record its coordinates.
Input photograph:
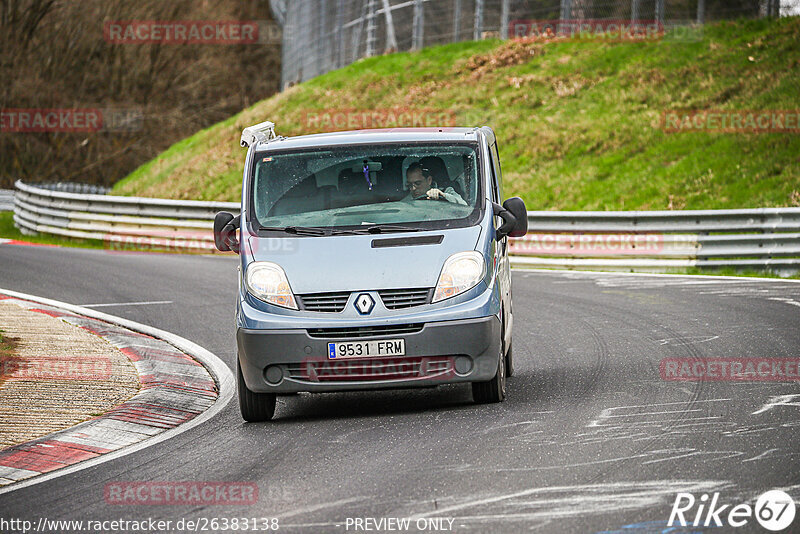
(426, 197)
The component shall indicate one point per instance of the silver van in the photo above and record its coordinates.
(371, 259)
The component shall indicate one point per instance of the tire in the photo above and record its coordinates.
(510, 361)
(493, 390)
(255, 407)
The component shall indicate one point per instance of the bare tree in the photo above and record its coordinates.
(53, 55)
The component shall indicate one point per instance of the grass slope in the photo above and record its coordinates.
(579, 122)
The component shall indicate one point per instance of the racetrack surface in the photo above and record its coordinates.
(590, 439)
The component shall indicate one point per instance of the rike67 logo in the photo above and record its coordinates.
(774, 510)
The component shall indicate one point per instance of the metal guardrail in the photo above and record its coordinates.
(74, 187)
(6, 200)
(121, 222)
(759, 239)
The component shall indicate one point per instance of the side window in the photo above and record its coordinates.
(495, 167)
(497, 172)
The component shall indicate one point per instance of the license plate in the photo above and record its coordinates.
(367, 349)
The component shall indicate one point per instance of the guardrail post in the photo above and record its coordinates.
(659, 11)
(457, 21)
(477, 31)
(370, 28)
(504, 21)
(418, 26)
(566, 9)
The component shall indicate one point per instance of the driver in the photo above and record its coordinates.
(421, 185)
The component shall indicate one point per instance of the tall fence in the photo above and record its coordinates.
(323, 35)
(759, 239)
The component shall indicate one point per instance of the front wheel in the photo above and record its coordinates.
(255, 407)
(493, 390)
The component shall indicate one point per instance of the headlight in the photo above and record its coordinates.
(461, 271)
(266, 281)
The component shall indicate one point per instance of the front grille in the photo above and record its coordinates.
(324, 302)
(363, 370)
(395, 299)
(365, 331)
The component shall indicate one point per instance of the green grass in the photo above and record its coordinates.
(578, 121)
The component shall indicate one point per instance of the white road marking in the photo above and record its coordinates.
(780, 400)
(559, 501)
(547, 467)
(218, 369)
(692, 452)
(140, 303)
(762, 455)
(636, 414)
(686, 340)
(787, 301)
(498, 427)
(608, 413)
(315, 507)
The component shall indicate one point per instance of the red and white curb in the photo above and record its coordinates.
(4, 241)
(182, 385)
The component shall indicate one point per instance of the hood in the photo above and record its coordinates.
(364, 262)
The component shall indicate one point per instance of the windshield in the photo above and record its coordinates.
(417, 186)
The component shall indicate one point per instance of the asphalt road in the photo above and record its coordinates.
(591, 439)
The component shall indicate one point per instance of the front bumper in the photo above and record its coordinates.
(444, 352)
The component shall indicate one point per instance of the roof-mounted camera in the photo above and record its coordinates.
(258, 133)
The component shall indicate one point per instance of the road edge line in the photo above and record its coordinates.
(662, 275)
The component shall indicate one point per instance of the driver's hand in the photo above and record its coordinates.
(435, 194)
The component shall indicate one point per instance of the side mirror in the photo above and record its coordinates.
(515, 218)
(225, 226)
(517, 207)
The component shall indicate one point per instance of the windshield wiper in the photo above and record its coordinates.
(389, 228)
(349, 232)
(298, 230)
(321, 231)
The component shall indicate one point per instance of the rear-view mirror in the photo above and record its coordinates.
(225, 226)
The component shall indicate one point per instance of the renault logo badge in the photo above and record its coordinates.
(364, 303)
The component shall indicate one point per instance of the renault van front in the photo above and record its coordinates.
(372, 259)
